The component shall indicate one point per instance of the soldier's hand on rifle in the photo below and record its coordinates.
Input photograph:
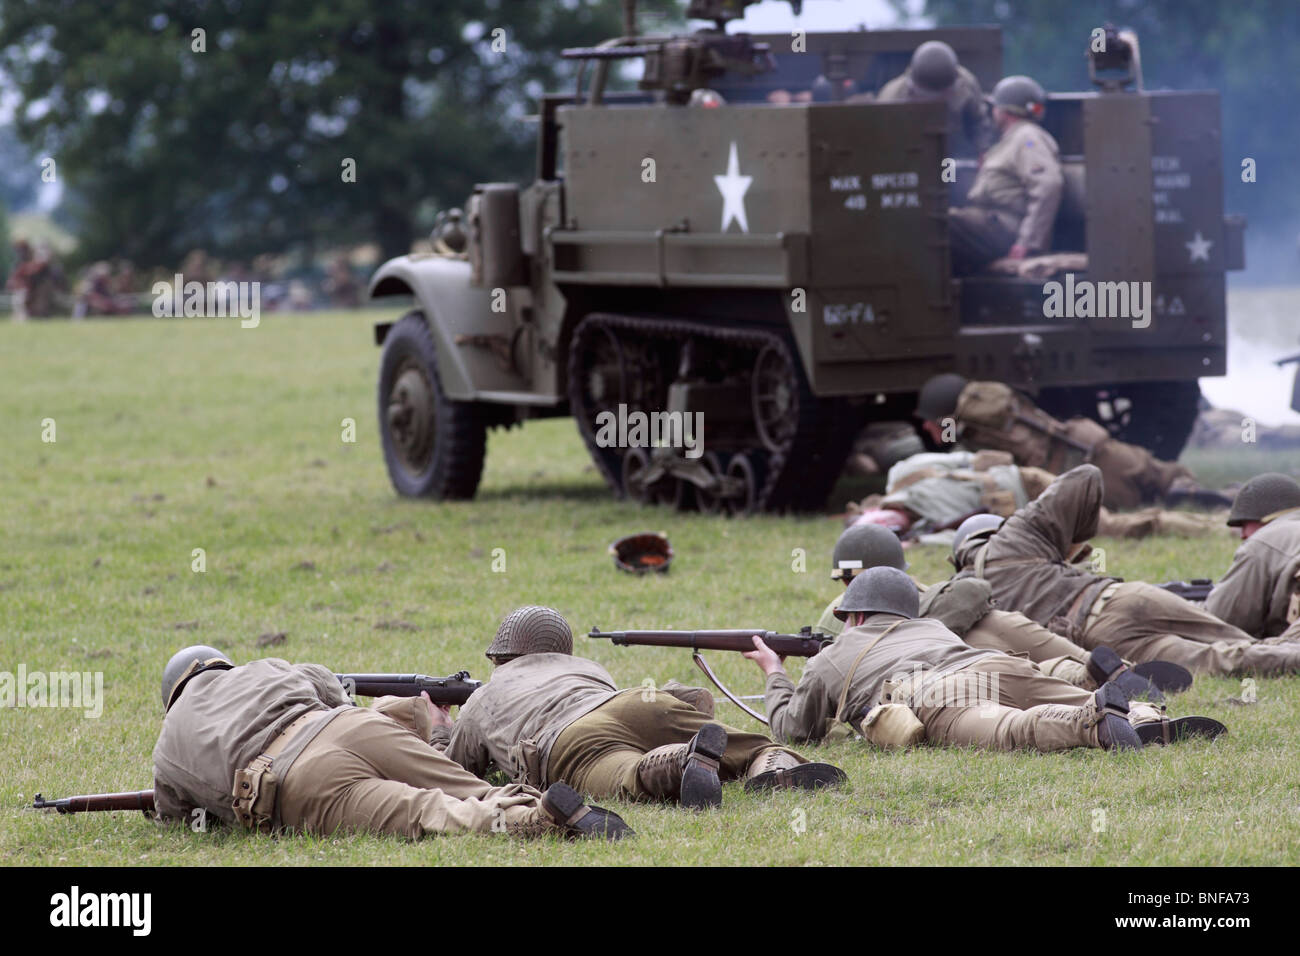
(768, 661)
(439, 714)
(1017, 252)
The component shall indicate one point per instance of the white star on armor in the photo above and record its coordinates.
(733, 187)
(1199, 248)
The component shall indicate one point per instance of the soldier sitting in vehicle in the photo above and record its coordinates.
(548, 715)
(1261, 591)
(1011, 207)
(983, 415)
(901, 680)
(935, 74)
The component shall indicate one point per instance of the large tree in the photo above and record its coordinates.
(235, 138)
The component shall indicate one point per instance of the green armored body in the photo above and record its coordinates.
(722, 290)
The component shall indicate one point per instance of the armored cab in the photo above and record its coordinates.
(723, 275)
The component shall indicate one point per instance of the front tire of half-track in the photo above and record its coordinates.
(433, 446)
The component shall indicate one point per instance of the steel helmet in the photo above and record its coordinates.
(186, 663)
(880, 591)
(866, 546)
(531, 630)
(1020, 95)
(934, 67)
(1262, 496)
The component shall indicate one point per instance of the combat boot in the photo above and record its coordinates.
(564, 808)
(1111, 724)
(1105, 665)
(687, 772)
(776, 768)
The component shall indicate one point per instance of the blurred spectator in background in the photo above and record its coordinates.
(341, 285)
(36, 280)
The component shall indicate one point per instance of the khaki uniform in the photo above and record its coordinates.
(549, 717)
(991, 415)
(1007, 632)
(963, 696)
(1013, 200)
(344, 767)
(1260, 593)
(1026, 564)
(970, 131)
(942, 489)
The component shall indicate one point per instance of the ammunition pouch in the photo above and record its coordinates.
(254, 795)
(993, 416)
(253, 791)
(526, 764)
(892, 726)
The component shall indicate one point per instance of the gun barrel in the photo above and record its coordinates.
(731, 639)
(442, 690)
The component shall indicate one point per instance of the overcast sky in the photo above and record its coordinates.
(774, 16)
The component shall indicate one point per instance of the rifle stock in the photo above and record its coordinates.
(89, 803)
(803, 644)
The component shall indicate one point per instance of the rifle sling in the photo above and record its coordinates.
(848, 681)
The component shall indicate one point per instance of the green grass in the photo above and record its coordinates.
(176, 435)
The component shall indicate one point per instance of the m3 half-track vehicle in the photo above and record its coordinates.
(781, 272)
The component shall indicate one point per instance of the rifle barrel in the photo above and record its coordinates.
(733, 639)
(442, 690)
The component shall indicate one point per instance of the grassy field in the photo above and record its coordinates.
(173, 436)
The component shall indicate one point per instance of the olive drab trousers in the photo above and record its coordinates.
(1144, 623)
(598, 753)
(1007, 703)
(373, 769)
(978, 236)
(1013, 633)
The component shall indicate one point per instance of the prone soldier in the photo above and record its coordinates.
(547, 715)
(965, 607)
(899, 679)
(1260, 593)
(271, 745)
(1034, 561)
(991, 415)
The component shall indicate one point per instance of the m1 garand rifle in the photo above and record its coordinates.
(443, 691)
(1197, 590)
(803, 644)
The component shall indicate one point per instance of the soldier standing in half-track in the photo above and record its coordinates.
(1261, 591)
(933, 74)
(991, 415)
(900, 680)
(1011, 207)
(1031, 562)
(965, 607)
(271, 745)
(548, 715)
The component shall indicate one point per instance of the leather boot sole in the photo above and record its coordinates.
(1180, 728)
(1169, 677)
(1104, 664)
(701, 787)
(566, 808)
(1115, 732)
(806, 776)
